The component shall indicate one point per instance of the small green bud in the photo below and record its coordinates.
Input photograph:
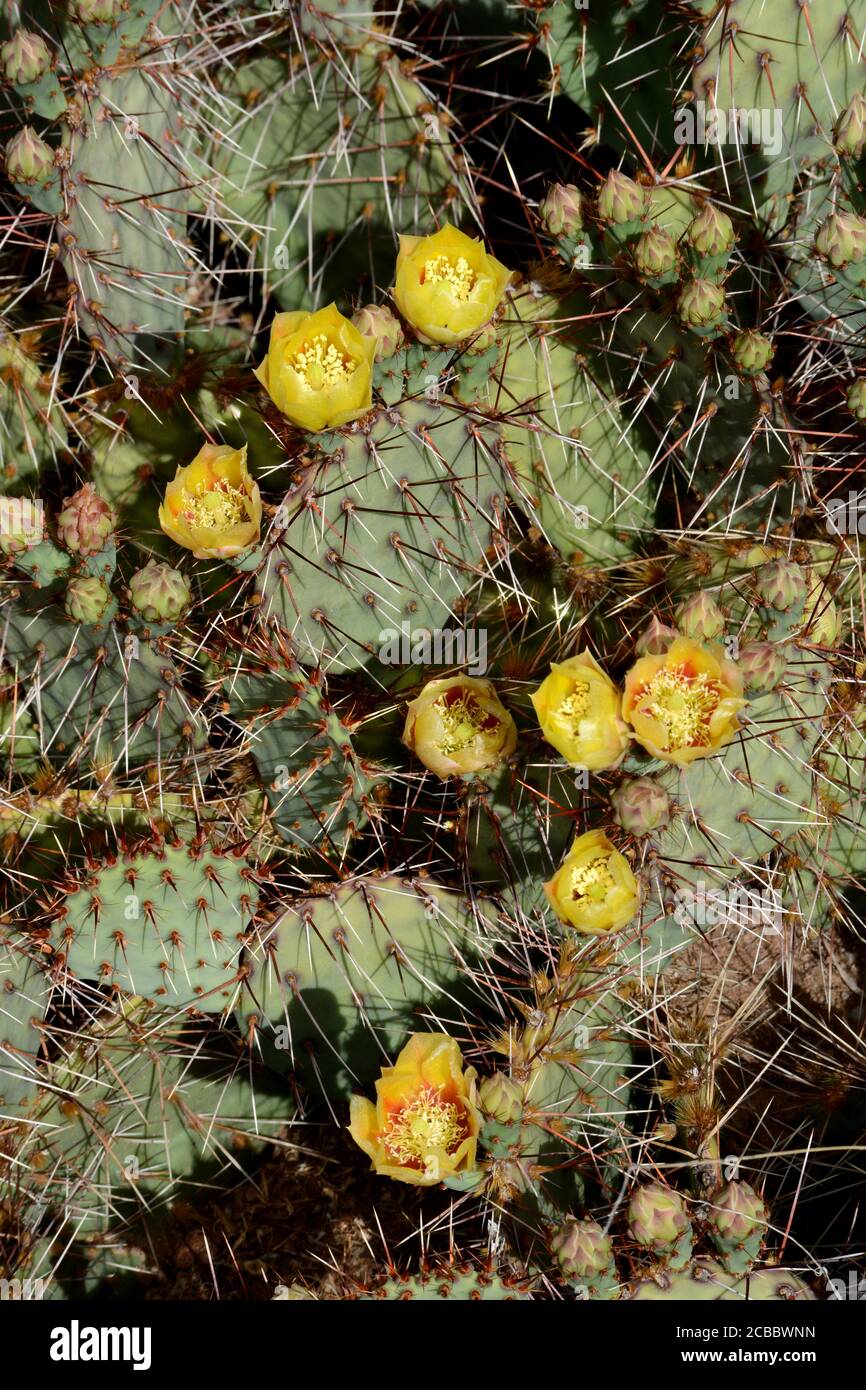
(25, 57)
(560, 210)
(781, 585)
(655, 253)
(700, 618)
(96, 11)
(842, 239)
(761, 665)
(640, 805)
(752, 352)
(711, 232)
(87, 600)
(501, 1098)
(159, 593)
(736, 1213)
(621, 199)
(855, 398)
(377, 321)
(701, 304)
(851, 127)
(28, 158)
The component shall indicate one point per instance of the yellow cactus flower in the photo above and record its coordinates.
(213, 506)
(458, 726)
(683, 703)
(579, 711)
(594, 890)
(425, 1122)
(447, 286)
(319, 368)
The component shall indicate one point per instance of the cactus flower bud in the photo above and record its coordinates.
(655, 638)
(736, 1213)
(701, 304)
(425, 1123)
(28, 158)
(377, 322)
(96, 11)
(501, 1099)
(87, 600)
(822, 625)
(621, 199)
(851, 127)
(711, 232)
(855, 399)
(655, 253)
(158, 593)
(700, 617)
(594, 889)
(560, 210)
(761, 666)
(582, 1250)
(640, 805)
(448, 286)
(842, 239)
(657, 1216)
(25, 57)
(457, 726)
(752, 352)
(781, 585)
(86, 522)
(578, 710)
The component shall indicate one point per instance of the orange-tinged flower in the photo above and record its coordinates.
(457, 726)
(594, 889)
(425, 1123)
(447, 285)
(578, 709)
(319, 369)
(683, 703)
(213, 507)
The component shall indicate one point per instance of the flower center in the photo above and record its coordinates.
(683, 704)
(427, 1125)
(457, 275)
(216, 507)
(463, 720)
(593, 880)
(575, 706)
(321, 365)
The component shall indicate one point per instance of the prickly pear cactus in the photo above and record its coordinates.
(432, 654)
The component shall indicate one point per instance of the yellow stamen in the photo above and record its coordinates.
(458, 275)
(321, 365)
(593, 880)
(576, 705)
(427, 1125)
(216, 507)
(462, 721)
(683, 704)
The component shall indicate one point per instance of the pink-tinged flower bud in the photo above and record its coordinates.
(621, 199)
(781, 585)
(842, 239)
(762, 666)
(24, 58)
(711, 233)
(657, 1216)
(582, 1250)
(655, 638)
(640, 805)
(655, 254)
(85, 523)
(851, 127)
(28, 158)
(158, 593)
(560, 210)
(700, 617)
(701, 304)
(376, 321)
(737, 1213)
